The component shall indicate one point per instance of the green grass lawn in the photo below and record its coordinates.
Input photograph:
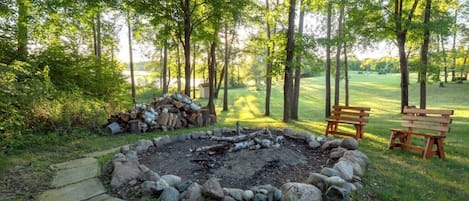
(391, 175)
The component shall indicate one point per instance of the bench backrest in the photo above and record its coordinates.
(352, 114)
(425, 120)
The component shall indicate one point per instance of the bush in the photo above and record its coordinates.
(55, 94)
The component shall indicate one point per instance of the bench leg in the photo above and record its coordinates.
(331, 127)
(440, 149)
(358, 132)
(392, 140)
(428, 153)
(403, 139)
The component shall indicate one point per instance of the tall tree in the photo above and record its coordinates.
(347, 95)
(453, 49)
(337, 57)
(165, 67)
(328, 61)
(22, 30)
(211, 81)
(131, 62)
(424, 54)
(289, 64)
(402, 23)
(296, 91)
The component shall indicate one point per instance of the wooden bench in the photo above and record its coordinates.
(346, 115)
(431, 125)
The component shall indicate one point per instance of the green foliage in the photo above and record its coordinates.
(56, 93)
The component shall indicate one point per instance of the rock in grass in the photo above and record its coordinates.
(338, 193)
(349, 143)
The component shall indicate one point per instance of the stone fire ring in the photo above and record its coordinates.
(329, 184)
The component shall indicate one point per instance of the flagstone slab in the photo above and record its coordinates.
(74, 163)
(75, 192)
(69, 176)
(104, 197)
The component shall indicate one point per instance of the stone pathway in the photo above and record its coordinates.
(77, 180)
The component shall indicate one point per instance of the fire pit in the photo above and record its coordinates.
(238, 164)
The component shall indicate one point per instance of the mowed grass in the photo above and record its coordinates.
(392, 174)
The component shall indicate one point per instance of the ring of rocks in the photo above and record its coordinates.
(130, 179)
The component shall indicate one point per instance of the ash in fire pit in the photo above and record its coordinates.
(199, 160)
(239, 159)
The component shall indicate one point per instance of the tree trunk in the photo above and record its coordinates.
(347, 97)
(289, 65)
(211, 104)
(165, 68)
(424, 55)
(268, 80)
(296, 91)
(453, 76)
(401, 33)
(328, 61)
(98, 36)
(444, 59)
(193, 71)
(187, 45)
(227, 61)
(132, 78)
(218, 86)
(22, 30)
(337, 56)
(179, 70)
(401, 38)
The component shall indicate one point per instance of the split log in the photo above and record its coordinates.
(243, 145)
(238, 138)
(215, 147)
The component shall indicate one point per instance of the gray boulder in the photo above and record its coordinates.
(314, 144)
(345, 169)
(338, 193)
(213, 189)
(248, 195)
(193, 193)
(260, 197)
(300, 192)
(235, 193)
(125, 149)
(172, 180)
(331, 144)
(148, 187)
(132, 156)
(169, 194)
(337, 152)
(329, 172)
(142, 145)
(123, 172)
(228, 198)
(317, 180)
(349, 143)
(161, 184)
(150, 176)
(335, 180)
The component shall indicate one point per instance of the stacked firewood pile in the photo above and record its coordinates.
(164, 113)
